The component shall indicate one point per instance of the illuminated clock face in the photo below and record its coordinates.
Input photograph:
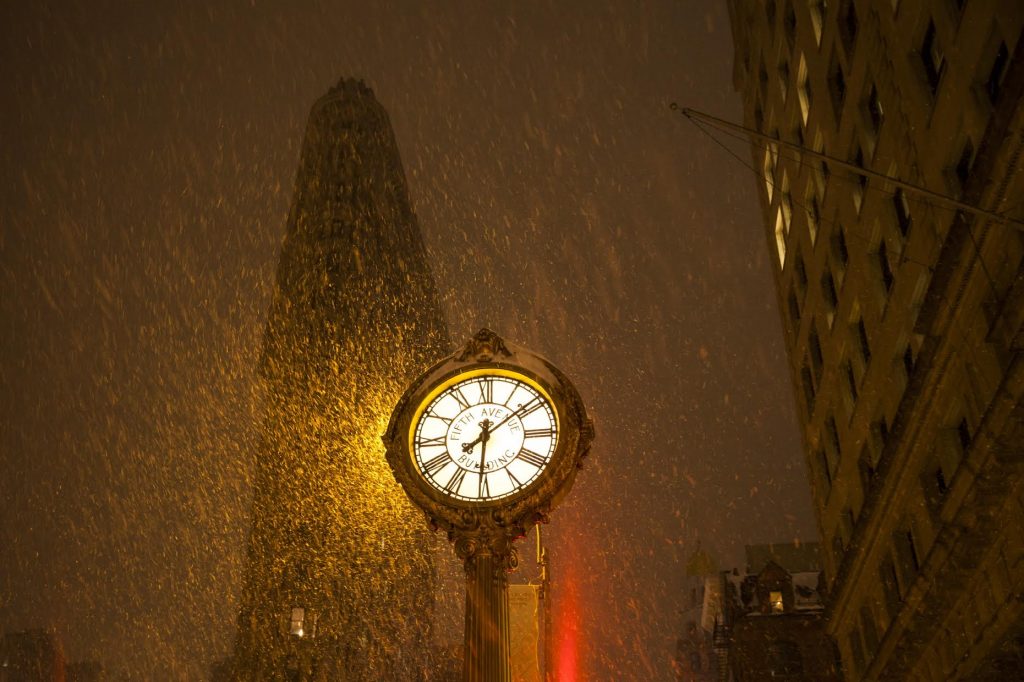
(484, 437)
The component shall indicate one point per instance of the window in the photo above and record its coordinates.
(784, 78)
(826, 473)
(846, 525)
(840, 254)
(875, 111)
(964, 163)
(815, 348)
(862, 180)
(775, 598)
(906, 557)
(851, 385)
(963, 432)
(934, 485)
(298, 621)
(884, 268)
(848, 25)
(803, 89)
(828, 294)
(862, 343)
(903, 217)
(856, 651)
(870, 629)
(771, 159)
(780, 237)
(818, 11)
(789, 22)
(994, 84)
(932, 57)
(801, 274)
(836, 86)
(782, 218)
(808, 385)
(890, 587)
(832, 439)
(794, 312)
(813, 215)
(866, 468)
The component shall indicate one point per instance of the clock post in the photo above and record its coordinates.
(487, 442)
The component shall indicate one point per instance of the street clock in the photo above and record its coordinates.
(487, 442)
(490, 436)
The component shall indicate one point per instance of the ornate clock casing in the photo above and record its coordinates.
(487, 442)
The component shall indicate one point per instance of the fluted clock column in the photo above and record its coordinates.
(487, 642)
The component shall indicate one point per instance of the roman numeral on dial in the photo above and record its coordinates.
(460, 399)
(430, 442)
(538, 433)
(435, 464)
(486, 387)
(531, 457)
(455, 481)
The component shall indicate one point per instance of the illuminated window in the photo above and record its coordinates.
(780, 237)
(776, 600)
(803, 89)
(771, 158)
(818, 9)
(298, 622)
(813, 207)
(862, 180)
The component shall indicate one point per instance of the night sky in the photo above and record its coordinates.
(148, 158)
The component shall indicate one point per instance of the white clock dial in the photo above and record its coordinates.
(485, 437)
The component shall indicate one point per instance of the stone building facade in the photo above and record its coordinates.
(902, 306)
(339, 581)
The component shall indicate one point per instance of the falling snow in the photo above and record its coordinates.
(147, 171)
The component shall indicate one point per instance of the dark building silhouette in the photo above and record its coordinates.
(31, 656)
(903, 312)
(339, 578)
(769, 622)
(85, 671)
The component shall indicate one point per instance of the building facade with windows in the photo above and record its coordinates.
(902, 295)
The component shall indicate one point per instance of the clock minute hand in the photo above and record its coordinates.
(514, 413)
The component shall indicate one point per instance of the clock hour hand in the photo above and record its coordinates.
(485, 427)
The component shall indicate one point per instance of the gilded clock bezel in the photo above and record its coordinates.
(457, 377)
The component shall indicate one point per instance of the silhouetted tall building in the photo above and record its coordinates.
(903, 313)
(31, 656)
(339, 579)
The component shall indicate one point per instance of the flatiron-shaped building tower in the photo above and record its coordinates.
(339, 578)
